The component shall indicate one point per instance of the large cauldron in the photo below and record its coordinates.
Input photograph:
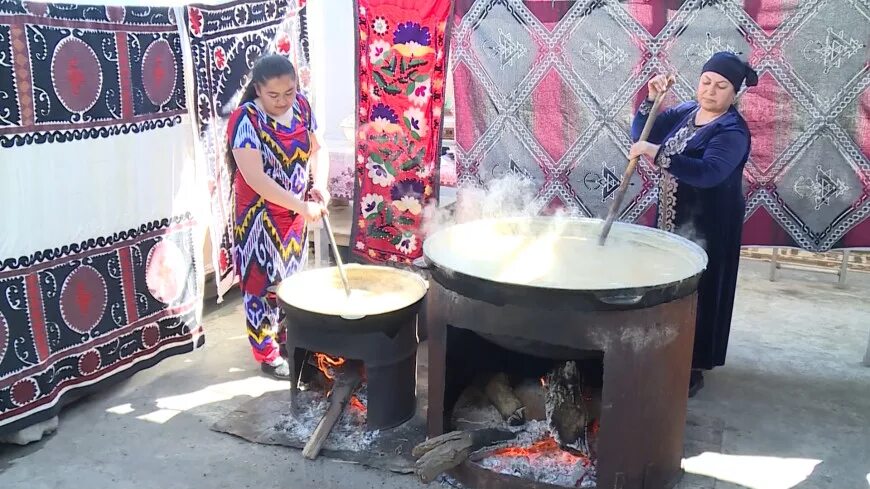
(302, 297)
(522, 262)
(529, 285)
(476, 258)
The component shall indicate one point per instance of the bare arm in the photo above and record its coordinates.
(320, 173)
(250, 163)
(319, 166)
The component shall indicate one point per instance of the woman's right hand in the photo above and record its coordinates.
(313, 211)
(659, 84)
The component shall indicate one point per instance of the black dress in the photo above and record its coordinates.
(701, 198)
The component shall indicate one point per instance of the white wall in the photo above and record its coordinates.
(332, 27)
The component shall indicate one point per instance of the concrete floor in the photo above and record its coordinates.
(792, 406)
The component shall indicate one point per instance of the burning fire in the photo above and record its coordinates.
(355, 403)
(326, 364)
(543, 461)
(546, 448)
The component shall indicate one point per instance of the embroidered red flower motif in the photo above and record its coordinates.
(220, 58)
(224, 261)
(89, 362)
(195, 21)
(283, 44)
(23, 392)
(165, 272)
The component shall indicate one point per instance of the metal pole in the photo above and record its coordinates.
(844, 269)
(774, 264)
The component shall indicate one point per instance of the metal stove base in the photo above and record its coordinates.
(390, 366)
(646, 357)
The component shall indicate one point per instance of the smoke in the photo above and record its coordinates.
(689, 230)
(511, 195)
(521, 249)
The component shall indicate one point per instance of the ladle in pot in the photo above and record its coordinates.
(337, 256)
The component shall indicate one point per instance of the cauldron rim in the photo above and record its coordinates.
(616, 298)
(386, 320)
(690, 246)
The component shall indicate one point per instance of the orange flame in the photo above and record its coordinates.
(357, 404)
(326, 364)
(540, 447)
(544, 448)
(543, 382)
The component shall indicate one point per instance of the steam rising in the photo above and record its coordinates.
(512, 195)
(493, 236)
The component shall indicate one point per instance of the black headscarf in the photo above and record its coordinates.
(734, 69)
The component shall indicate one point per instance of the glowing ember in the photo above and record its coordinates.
(544, 448)
(355, 403)
(538, 457)
(327, 364)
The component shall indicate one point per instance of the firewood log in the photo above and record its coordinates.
(440, 454)
(567, 414)
(347, 381)
(501, 395)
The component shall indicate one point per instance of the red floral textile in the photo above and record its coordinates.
(401, 58)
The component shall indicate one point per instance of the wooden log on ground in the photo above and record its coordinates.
(442, 453)
(501, 395)
(346, 382)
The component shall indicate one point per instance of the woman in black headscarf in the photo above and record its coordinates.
(701, 147)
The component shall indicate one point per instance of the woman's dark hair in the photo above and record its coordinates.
(265, 69)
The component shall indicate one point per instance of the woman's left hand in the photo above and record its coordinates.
(643, 148)
(320, 195)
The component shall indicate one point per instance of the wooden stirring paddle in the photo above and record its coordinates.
(629, 171)
(341, 270)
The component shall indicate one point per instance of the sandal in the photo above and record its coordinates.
(280, 371)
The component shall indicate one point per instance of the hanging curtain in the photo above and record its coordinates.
(401, 56)
(225, 40)
(100, 273)
(546, 90)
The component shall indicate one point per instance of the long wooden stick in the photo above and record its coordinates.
(629, 171)
(338, 262)
(341, 392)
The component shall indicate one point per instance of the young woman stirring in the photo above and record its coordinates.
(271, 143)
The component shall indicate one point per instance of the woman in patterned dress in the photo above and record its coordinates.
(701, 147)
(271, 139)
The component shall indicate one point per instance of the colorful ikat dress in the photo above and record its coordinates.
(270, 241)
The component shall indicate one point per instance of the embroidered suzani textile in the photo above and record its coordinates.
(225, 41)
(99, 268)
(401, 55)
